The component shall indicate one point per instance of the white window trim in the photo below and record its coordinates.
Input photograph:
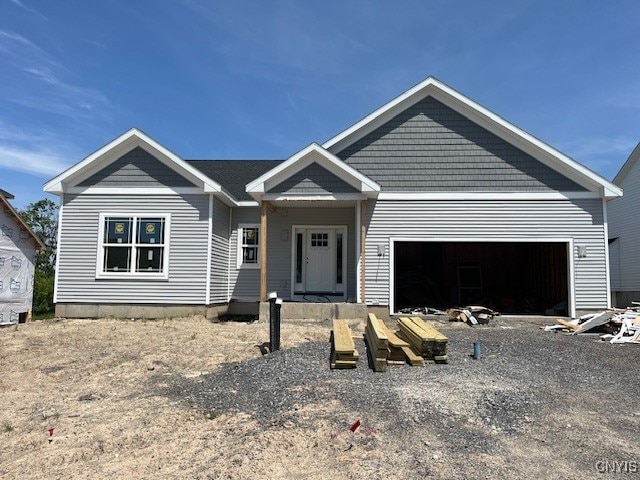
(239, 264)
(133, 275)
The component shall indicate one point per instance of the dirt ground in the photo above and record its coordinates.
(187, 398)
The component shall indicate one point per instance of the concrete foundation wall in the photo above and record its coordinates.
(86, 310)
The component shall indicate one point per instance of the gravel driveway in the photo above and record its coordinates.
(535, 405)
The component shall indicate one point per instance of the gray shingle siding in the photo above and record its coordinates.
(313, 179)
(430, 147)
(137, 168)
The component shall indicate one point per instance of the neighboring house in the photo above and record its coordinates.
(18, 246)
(431, 200)
(624, 234)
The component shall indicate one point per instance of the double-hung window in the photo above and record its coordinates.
(248, 246)
(134, 246)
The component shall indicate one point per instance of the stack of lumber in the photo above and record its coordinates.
(343, 351)
(424, 339)
(614, 325)
(375, 334)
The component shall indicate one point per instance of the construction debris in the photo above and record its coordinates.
(614, 326)
(473, 314)
(424, 339)
(421, 311)
(343, 351)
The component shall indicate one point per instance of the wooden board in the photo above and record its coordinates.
(342, 340)
(412, 357)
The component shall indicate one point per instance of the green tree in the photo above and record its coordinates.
(42, 217)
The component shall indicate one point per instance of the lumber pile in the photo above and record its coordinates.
(613, 325)
(343, 350)
(472, 315)
(424, 339)
(375, 334)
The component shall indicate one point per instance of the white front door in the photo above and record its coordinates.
(320, 260)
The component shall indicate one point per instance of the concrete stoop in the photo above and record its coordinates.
(316, 311)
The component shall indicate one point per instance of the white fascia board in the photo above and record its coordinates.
(125, 142)
(313, 153)
(407, 196)
(481, 115)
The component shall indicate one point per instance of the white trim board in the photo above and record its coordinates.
(483, 117)
(487, 195)
(207, 294)
(115, 149)
(313, 153)
(505, 239)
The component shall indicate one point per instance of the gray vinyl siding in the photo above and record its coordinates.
(313, 179)
(245, 283)
(137, 168)
(581, 220)
(187, 251)
(220, 252)
(430, 147)
(624, 223)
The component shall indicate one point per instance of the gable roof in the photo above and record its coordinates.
(121, 145)
(234, 175)
(313, 153)
(628, 165)
(4, 199)
(485, 118)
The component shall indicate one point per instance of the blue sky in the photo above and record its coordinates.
(263, 79)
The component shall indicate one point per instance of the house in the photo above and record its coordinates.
(18, 247)
(624, 234)
(431, 200)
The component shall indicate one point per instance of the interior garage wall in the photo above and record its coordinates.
(535, 220)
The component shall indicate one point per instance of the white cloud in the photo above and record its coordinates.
(22, 5)
(37, 80)
(40, 153)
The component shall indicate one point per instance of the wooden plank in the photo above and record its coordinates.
(379, 364)
(394, 340)
(342, 340)
(429, 328)
(569, 325)
(412, 358)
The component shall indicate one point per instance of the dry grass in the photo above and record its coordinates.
(86, 381)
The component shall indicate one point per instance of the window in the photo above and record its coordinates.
(319, 239)
(134, 246)
(248, 246)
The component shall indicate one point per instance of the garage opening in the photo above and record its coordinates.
(510, 277)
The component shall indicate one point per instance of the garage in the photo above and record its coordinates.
(512, 277)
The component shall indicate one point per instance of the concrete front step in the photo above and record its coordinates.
(318, 311)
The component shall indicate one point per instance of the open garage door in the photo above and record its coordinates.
(510, 277)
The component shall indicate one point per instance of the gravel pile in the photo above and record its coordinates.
(546, 393)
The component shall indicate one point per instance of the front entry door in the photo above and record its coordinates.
(320, 260)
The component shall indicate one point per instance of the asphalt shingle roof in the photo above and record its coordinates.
(234, 175)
